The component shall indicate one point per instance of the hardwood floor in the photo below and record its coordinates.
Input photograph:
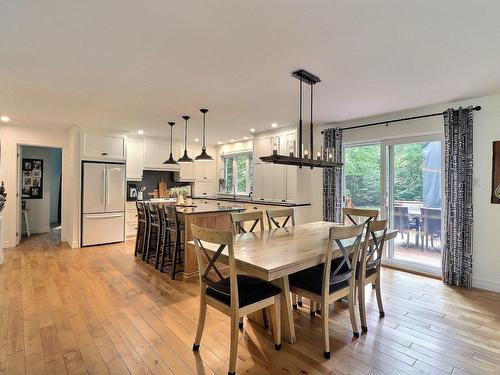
(99, 310)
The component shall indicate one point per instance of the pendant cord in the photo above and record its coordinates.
(311, 152)
(185, 135)
(204, 131)
(300, 119)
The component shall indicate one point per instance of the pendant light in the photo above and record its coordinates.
(185, 158)
(204, 156)
(171, 160)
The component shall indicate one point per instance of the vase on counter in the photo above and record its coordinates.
(189, 201)
(180, 200)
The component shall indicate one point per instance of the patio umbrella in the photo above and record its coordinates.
(432, 175)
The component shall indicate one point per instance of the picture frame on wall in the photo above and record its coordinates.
(32, 178)
(495, 175)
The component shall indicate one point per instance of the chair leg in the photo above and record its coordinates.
(137, 236)
(352, 313)
(312, 308)
(294, 301)
(233, 344)
(201, 324)
(158, 247)
(379, 297)
(145, 241)
(277, 322)
(299, 301)
(361, 303)
(174, 257)
(407, 240)
(325, 329)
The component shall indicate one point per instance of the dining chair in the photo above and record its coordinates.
(285, 215)
(334, 279)
(431, 225)
(280, 218)
(236, 295)
(368, 269)
(403, 224)
(239, 219)
(363, 215)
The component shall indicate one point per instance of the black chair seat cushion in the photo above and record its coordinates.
(311, 279)
(250, 290)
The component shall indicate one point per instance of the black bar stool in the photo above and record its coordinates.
(173, 244)
(154, 234)
(141, 237)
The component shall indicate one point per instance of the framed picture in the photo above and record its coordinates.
(32, 179)
(495, 178)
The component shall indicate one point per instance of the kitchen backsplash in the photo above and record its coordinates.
(151, 179)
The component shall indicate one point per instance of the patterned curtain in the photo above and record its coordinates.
(457, 239)
(332, 177)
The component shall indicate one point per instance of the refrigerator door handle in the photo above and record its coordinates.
(102, 216)
(104, 188)
(107, 190)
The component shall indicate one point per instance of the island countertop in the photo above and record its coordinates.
(209, 208)
(244, 199)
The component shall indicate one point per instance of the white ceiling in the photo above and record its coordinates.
(128, 64)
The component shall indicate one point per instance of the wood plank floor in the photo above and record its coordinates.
(99, 310)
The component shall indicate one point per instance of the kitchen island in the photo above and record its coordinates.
(211, 216)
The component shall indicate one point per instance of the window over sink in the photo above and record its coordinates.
(238, 173)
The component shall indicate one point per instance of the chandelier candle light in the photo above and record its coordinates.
(305, 157)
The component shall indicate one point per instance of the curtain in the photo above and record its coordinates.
(457, 239)
(332, 177)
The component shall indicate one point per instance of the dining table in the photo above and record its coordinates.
(274, 254)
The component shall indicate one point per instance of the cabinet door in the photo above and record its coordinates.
(279, 179)
(268, 181)
(103, 147)
(291, 182)
(205, 188)
(186, 172)
(262, 146)
(135, 159)
(258, 176)
(155, 153)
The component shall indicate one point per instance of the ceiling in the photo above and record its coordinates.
(128, 64)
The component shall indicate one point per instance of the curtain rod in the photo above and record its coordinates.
(476, 108)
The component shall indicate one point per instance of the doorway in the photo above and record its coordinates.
(401, 178)
(39, 189)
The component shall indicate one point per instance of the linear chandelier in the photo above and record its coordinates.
(304, 158)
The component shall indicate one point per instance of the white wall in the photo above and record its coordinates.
(10, 137)
(38, 210)
(486, 245)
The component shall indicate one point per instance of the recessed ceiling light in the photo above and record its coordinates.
(274, 125)
(252, 130)
(245, 138)
(219, 143)
(4, 118)
(196, 140)
(140, 131)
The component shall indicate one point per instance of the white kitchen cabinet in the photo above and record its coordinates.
(135, 159)
(206, 170)
(186, 170)
(262, 146)
(258, 180)
(98, 146)
(291, 182)
(155, 153)
(205, 188)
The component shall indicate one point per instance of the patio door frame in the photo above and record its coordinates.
(387, 195)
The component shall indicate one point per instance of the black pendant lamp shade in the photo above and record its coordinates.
(185, 158)
(204, 156)
(171, 160)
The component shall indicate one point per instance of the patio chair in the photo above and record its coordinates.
(431, 225)
(403, 224)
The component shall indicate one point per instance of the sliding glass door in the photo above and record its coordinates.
(412, 190)
(403, 179)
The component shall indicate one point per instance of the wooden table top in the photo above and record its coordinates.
(276, 253)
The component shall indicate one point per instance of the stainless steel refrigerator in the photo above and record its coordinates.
(103, 203)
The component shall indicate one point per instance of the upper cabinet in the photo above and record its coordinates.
(155, 153)
(97, 146)
(135, 159)
(186, 171)
(206, 170)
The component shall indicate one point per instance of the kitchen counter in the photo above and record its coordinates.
(244, 199)
(205, 209)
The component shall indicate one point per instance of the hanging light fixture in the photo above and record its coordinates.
(304, 157)
(204, 156)
(171, 159)
(185, 158)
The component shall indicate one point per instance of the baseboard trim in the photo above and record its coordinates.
(414, 272)
(492, 286)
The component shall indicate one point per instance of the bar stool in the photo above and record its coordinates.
(154, 233)
(173, 244)
(140, 239)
